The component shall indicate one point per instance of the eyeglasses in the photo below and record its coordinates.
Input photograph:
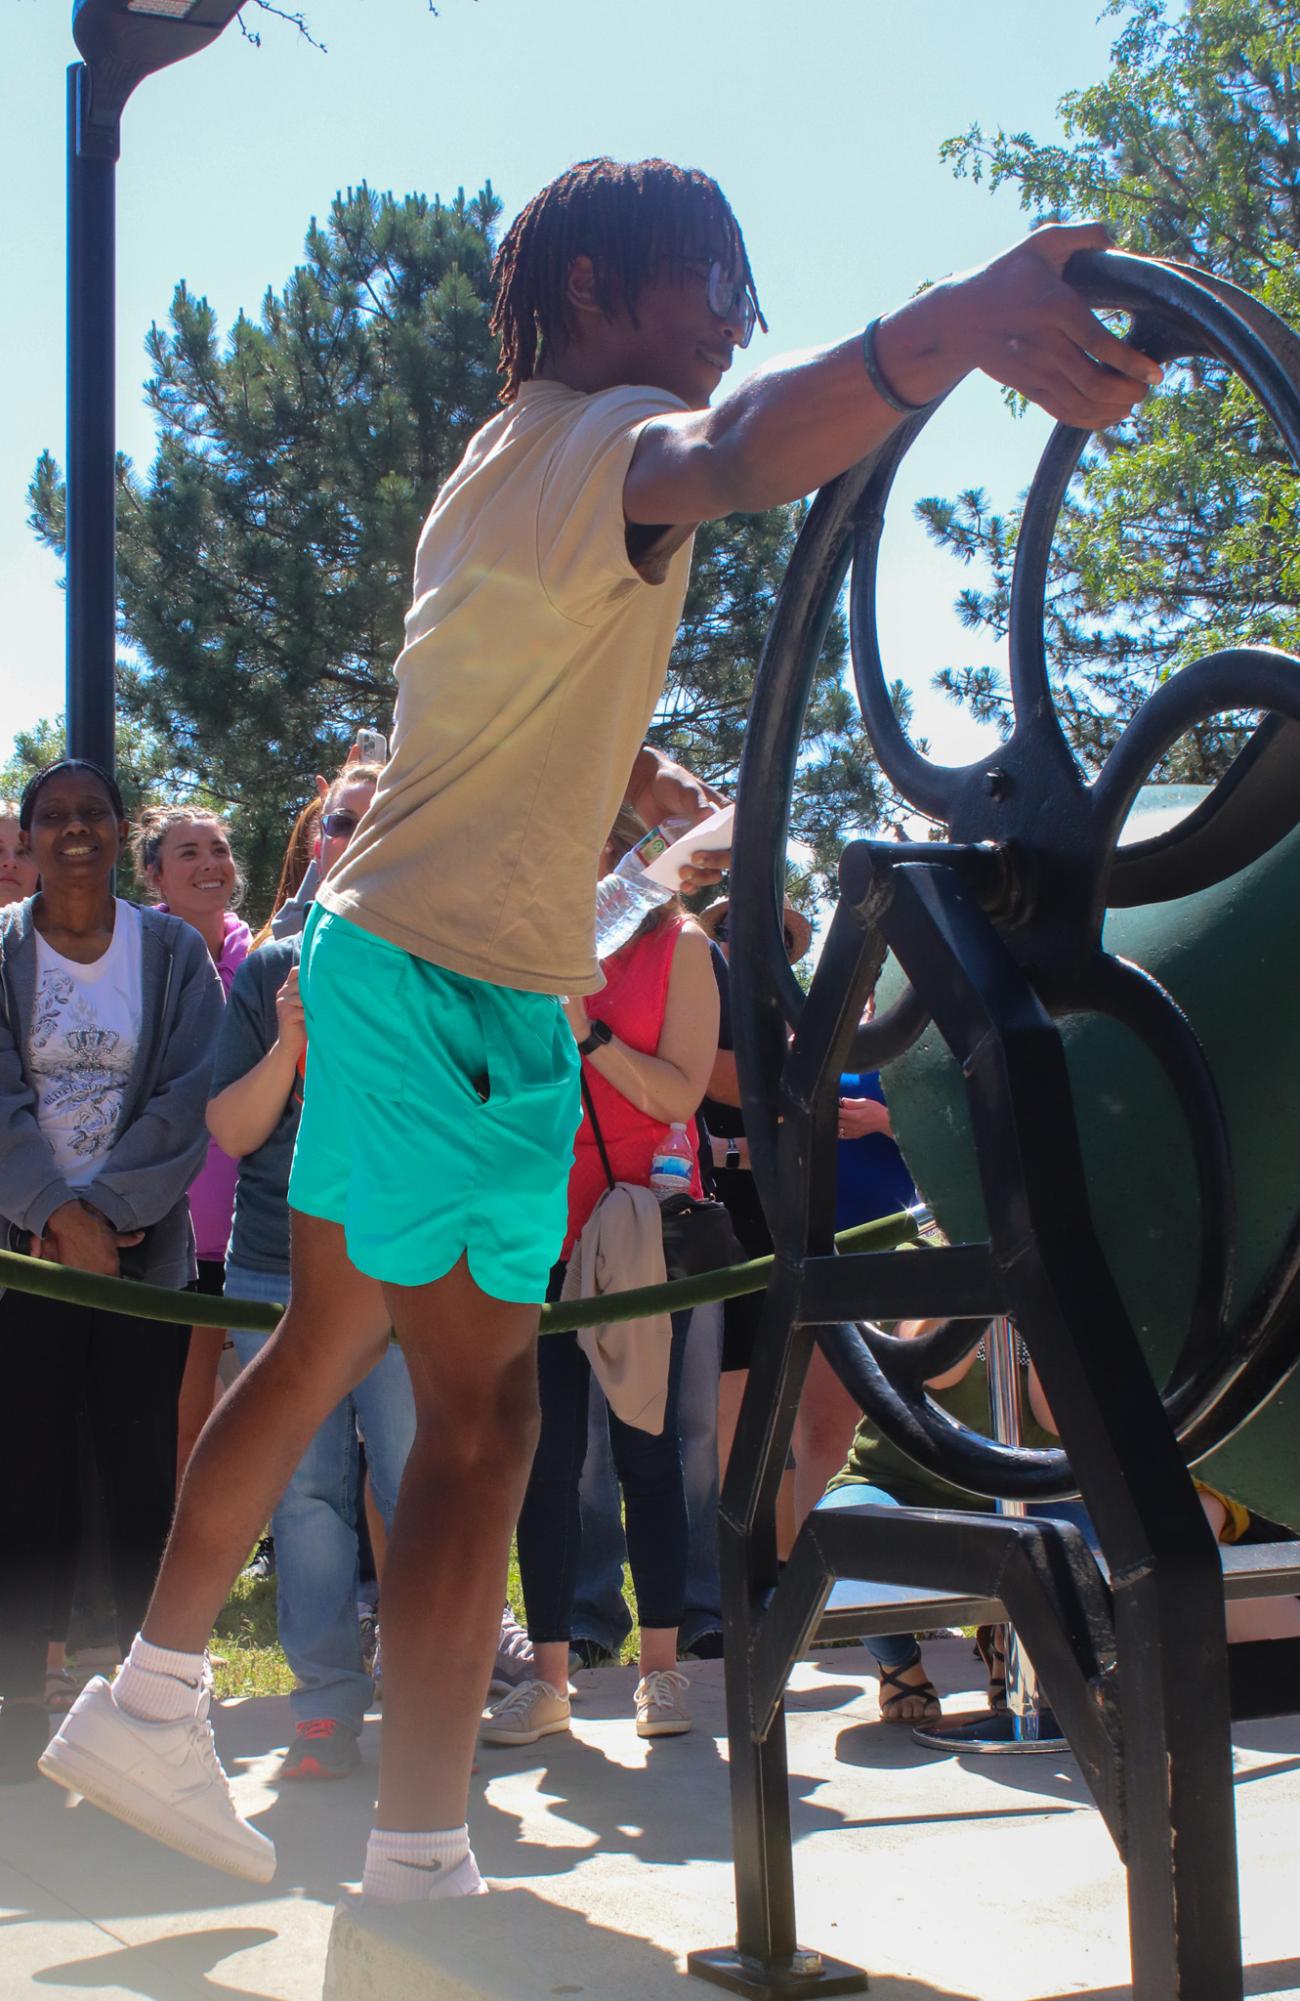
(728, 297)
(339, 825)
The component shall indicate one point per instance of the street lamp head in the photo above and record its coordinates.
(123, 41)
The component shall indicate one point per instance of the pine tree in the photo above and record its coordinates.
(265, 559)
(1180, 531)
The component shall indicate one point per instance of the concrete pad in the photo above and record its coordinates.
(951, 1880)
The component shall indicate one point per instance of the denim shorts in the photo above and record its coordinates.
(439, 1115)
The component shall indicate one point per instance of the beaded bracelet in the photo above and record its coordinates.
(875, 375)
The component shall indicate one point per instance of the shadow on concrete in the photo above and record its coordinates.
(886, 1747)
(515, 1946)
(616, 1809)
(1273, 1976)
(164, 1969)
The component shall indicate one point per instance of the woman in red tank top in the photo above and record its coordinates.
(660, 1004)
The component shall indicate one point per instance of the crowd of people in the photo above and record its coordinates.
(162, 1052)
(428, 1037)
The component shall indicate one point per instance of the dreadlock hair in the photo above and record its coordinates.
(631, 218)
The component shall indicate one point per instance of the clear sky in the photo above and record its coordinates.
(822, 120)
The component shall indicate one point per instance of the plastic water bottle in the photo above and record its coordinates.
(626, 896)
(673, 1166)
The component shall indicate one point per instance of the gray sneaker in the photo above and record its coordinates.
(532, 1710)
(514, 1662)
(660, 1708)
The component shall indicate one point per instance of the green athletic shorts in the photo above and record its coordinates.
(439, 1115)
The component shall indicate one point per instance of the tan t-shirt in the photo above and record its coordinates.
(534, 657)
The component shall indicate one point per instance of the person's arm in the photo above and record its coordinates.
(243, 1115)
(790, 428)
(670, 1084)
(860, 1117)
(657, 789)
(908, 1330)
(724, 1079)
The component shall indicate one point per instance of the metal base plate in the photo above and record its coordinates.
(993, 1732)
(807, 1973)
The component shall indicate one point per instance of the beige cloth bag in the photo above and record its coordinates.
(622, 1247)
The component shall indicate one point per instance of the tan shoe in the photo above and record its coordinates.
(534, 1709)
(660, 1708)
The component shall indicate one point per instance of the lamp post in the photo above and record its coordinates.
(121, 41)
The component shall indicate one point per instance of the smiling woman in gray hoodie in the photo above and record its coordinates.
(108, 1021)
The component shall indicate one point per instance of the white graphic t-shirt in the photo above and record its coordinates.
(82, 1047)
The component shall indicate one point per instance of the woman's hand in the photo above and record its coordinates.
(290, 1017)
(860, 1116)
(77, 1235)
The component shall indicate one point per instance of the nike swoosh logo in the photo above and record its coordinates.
(429, 1868)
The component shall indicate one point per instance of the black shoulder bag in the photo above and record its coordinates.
(698, 1234)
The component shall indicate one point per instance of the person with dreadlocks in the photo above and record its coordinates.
(549, 579)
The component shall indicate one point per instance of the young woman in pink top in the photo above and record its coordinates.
(185, 856)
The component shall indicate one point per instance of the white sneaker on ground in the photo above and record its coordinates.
(514, 1661)
(534, 1709)
(660, 1708)
(163, 1778)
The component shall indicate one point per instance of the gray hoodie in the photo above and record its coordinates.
(161, 1140)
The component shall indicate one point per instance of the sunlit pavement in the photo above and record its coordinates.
(984, 1880)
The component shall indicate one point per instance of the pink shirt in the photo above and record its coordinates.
(212, 1191)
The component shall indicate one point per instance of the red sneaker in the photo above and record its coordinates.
(321, 1749)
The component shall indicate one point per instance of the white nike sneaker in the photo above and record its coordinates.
(163, 1778)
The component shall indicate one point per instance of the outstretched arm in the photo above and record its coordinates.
(792, 427)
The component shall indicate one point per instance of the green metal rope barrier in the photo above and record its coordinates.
(198, 1309)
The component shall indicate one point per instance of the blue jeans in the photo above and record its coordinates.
(895, 1650)
(600, 1610)
(315, 1525)
(891, 1650)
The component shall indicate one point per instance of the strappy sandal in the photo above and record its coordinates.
(895, 1692)
(60, 1691)
(991, 1646)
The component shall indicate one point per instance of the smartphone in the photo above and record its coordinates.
(372, 746)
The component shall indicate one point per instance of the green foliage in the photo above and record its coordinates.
(265, 560)
(739, 564)
(248, 1643)
(1179, 535)
(264, 564)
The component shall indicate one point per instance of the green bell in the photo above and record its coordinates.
(1230, 956)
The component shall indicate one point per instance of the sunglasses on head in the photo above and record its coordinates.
(336, 825)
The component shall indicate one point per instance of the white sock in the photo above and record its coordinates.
(156, 1685)
(416, 1868)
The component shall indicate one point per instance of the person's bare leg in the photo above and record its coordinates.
(823, 1433)
(473, 1367)
(198, 1392)
(731, 1390)
(333, 1332)
(376, 1530)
